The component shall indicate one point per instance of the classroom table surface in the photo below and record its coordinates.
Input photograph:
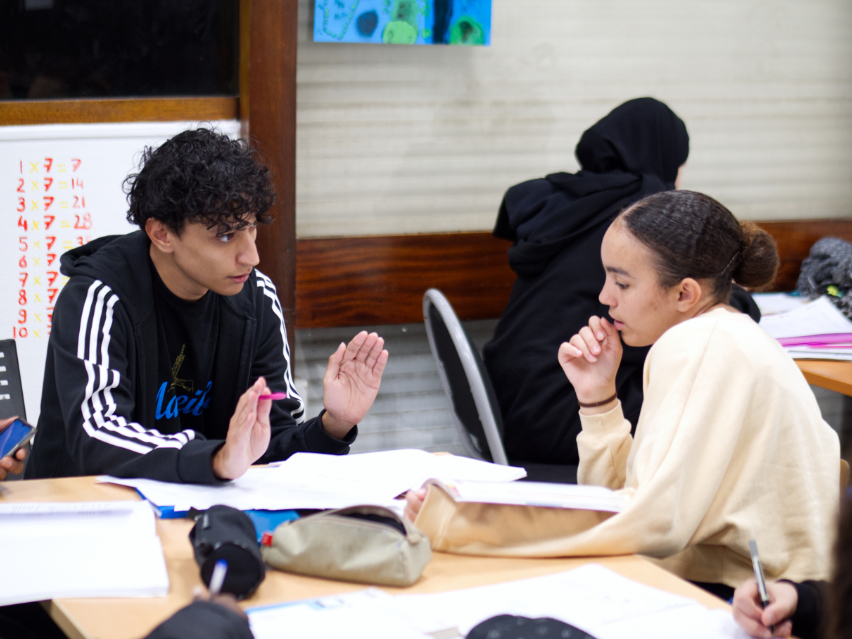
(836, 376)
(132, 618)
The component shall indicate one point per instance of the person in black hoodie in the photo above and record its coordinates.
(207, 617)
(164, 340)
(557, 224)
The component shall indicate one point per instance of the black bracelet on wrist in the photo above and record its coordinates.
(596, 404)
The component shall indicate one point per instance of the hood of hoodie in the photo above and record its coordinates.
(542, 218)
(119, 261)
(632, 152)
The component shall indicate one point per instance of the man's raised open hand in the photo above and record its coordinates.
(248, 434)
(351, 382)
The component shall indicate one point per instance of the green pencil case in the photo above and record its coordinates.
(365, 544)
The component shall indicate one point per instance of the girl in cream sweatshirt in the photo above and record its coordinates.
(730, 444)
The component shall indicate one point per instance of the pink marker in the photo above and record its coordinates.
(274, 396)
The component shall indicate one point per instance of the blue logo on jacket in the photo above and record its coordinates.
(182, 404)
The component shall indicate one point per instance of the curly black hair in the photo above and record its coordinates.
(200, 175)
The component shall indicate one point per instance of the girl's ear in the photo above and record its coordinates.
(690, 294)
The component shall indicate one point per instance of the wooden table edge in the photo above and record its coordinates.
(62, 618)
(829, 374)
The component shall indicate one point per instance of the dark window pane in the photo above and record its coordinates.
(117, 48)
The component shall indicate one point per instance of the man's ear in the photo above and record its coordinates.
(690, 294)
(160, 235)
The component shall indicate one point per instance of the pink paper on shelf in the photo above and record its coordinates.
(816, 340)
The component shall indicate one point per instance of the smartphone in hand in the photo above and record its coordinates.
(14, 436)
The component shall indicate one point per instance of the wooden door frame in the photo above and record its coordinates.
(268, 33)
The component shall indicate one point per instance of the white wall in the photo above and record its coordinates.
(398, 139)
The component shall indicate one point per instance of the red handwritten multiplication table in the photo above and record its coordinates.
(52, 218)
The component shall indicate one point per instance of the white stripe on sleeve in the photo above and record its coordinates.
(269, 291)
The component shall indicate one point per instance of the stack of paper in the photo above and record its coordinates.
(316, 481)
(592, 598)
(88, 549)
(814, 331)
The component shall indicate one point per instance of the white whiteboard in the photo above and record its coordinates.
(60, 186)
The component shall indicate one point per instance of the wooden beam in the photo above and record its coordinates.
(244, 64)
(28, 112)
(367, 281)
(270, 102)
(364, 281)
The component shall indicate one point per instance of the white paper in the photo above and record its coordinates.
(68, 508)
(591, 598)
(313, 480)
(368, 477)
(80, 550)
(820, 317)
(529, 493)
(251, 491)
(722, 624)
(771, 303)
(833, 353)
(389, 472)
(356, 615)
(99, 519)
(454, 467)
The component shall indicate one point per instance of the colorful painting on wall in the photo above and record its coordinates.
(459, 22)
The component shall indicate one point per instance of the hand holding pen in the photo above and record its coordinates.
(249, 433)
(756, 620)
(214, 594)
(761, 609)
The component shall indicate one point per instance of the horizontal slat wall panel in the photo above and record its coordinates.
(395, 139)
(411, 410)
(381, 280)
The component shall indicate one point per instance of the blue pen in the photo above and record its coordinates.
(218, 577)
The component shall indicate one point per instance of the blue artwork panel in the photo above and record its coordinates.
(459, 22)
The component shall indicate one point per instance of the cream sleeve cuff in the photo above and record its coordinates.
(604, 445)
(605, 424)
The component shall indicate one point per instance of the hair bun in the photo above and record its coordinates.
(758, 261)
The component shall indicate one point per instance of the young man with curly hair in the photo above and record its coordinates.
(165, 340)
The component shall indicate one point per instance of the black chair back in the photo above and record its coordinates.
(469, 388)
(11, 391)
